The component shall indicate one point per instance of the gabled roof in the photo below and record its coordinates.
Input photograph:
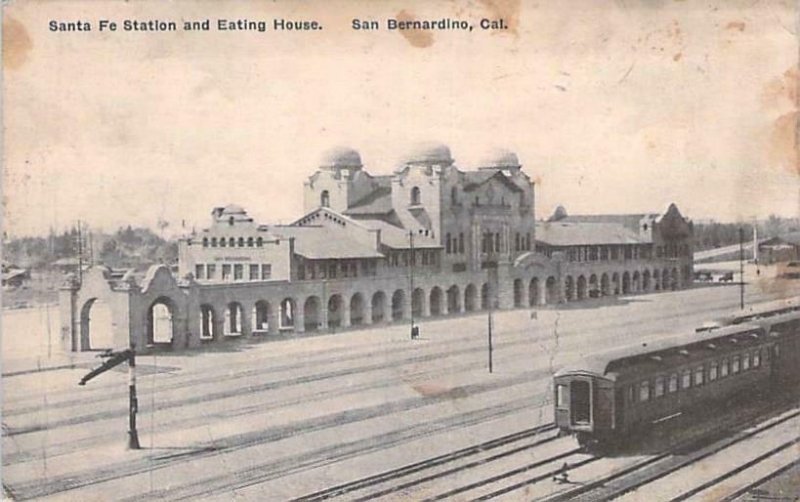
(379, 201)
(318, 242)
(475, 179)
(563, 233)
(398, 238)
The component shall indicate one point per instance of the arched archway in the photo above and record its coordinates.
(417, 302)
(311, 313)
(656, 280)
(581, 287)
(436, 301)
(96, 325)
(569, 288)
(287, 313)
(470, 298)
(665, 282)
(594, 288)
(637, 282)
(675, 282)
(233, 319)
(207, 322)
(335, 307)
(518, 292)
(398, 304)
(378, 306)
(626, 282)
(533, 292)
(485, 296)
(605, 285)
(646, 280)
(615, 283)
(261, 313)
(159, 322)
(550, 290)
(453, 300)
(356, 309)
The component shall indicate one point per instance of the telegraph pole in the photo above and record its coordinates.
(741, 268)
(492, 292)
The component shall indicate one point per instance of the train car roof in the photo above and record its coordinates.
(599, 363)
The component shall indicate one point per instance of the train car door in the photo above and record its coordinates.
(580, 405)
(603, 405)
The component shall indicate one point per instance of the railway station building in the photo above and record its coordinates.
(431, 239)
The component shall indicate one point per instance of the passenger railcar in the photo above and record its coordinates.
(629, 390)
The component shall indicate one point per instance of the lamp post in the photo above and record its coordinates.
(414, 330)
(741, 268)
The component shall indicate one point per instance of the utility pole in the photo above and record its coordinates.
(741, 268)
(414, 330)
(492, 293)
(115, 359)
(80, 255)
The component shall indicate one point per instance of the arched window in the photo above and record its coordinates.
(205, 242)
(231, 242)
(454, 195)
(260, 241)
(249, 242)
(415, 196)
(230, 220)
(213, 242)
(325, 199)
(223, 242)
(461, 243)
(241, 242)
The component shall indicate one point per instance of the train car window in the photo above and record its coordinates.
(659, 390)
(644, 391)
(756, 359)
(561, 396)
(698, 376)
(746, 362)
(735, 365)
(723, 369)
(673, 382)
(712, 372)
(686, 380)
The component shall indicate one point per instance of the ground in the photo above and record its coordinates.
(273, 420)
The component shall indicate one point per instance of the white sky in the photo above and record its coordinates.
(611, 106)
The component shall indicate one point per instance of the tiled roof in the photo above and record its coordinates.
(318, 243)
(561, 233)
(396, 237)
(379, 201)
(474, 179)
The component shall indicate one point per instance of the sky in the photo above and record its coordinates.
(617, 106)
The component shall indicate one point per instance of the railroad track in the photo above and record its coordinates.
(641, 473)
(393, 475)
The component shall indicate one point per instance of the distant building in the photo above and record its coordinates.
(429, 239)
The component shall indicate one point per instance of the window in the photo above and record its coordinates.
(213, 242)
(756, 359)
(461, 243)
(324, 199)
(231, 242)
(415, 196)
(332, 271)
(746, 362)
(199, 271)
(735, 365)
(205, 242)
(561, 396)
(659, 390)
(223, 242)
(712, 372)
(253, 272)
(644, 391)
(698, 376)
(230, 220)
(723, 369)
(673, 383)
(241, 242)
(497, 242)
(686, 379)
(226, 272)
(249, 242)
(211, 271)
(447, 244)
(454, 196)
(238, 272)
(260, 241)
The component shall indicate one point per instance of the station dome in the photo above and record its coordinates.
(500, 158)
(340, 157)
(429, 153)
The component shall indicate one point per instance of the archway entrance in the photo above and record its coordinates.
(378, 306)
(485, 297)
(159, 322)
(470, 298)
(417, 301)
(96, 326)
(453, 300)
(356, 309)
(206, 322)
(261, 316)
(398, 304)
(287, 312)
(550, 290)
(311, 313)
(436, 301)
(334, 311)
